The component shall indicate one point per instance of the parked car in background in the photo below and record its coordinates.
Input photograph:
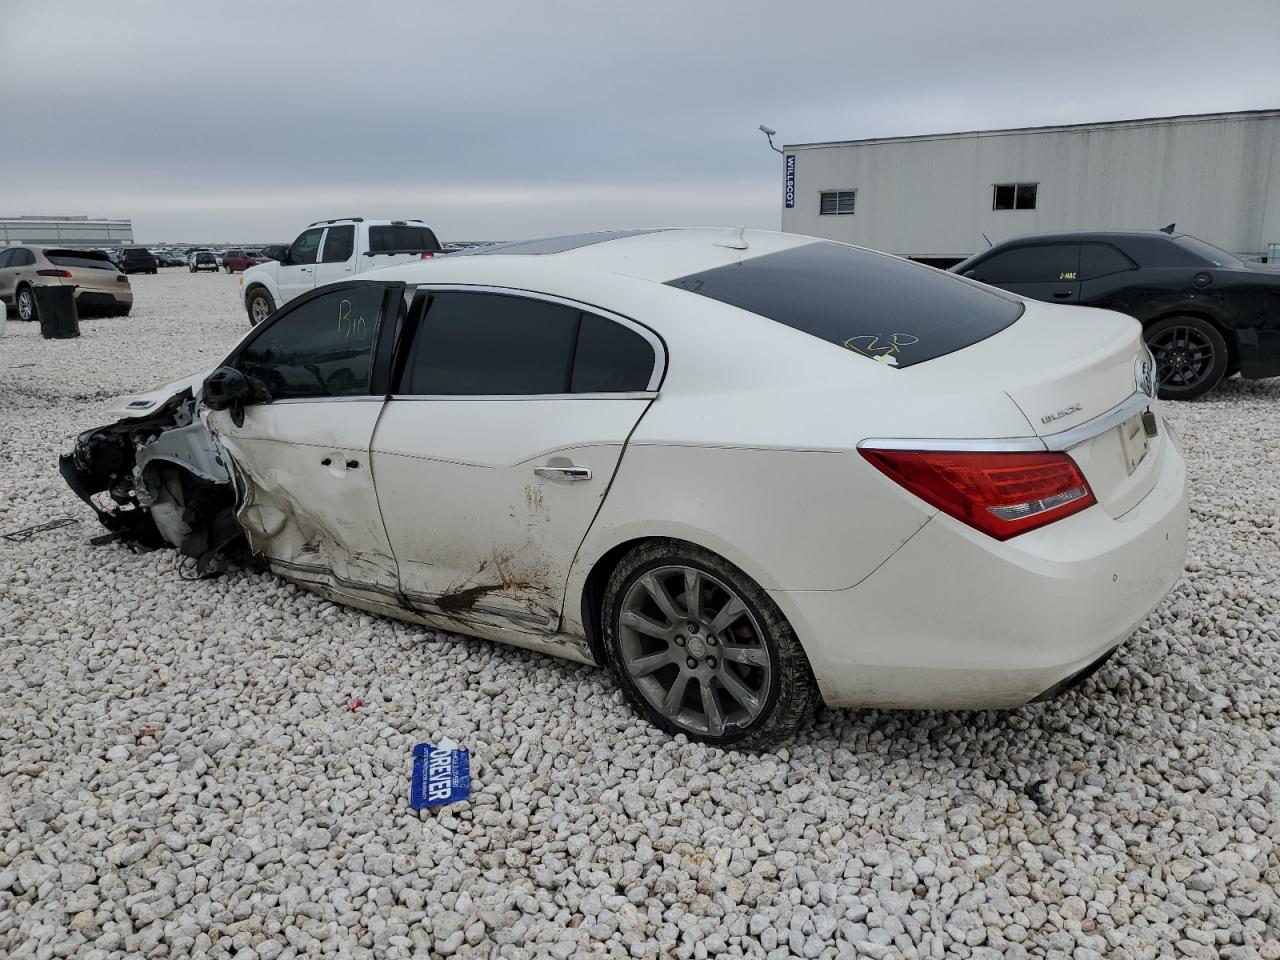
(745, 469)
(330, 250)
(1205, 314)
(203, 260)
(237, 259)
(100, 285)
(139, 260)
(274, 251)
(171, 258)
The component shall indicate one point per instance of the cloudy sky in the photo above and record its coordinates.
(230, 120)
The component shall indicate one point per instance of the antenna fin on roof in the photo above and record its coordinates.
(737, 240)
(1168, 229)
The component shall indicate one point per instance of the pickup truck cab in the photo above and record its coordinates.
(332, 250)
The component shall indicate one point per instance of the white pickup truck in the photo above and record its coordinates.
(330, 250)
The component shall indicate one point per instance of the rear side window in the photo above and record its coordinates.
(339, 242)
(1042, 263)
(83, 259)
(879, 306)
(394, 238)
(610, 358)
(1102, 260)
(482, 344)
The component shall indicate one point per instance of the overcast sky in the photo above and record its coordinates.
(228, 120)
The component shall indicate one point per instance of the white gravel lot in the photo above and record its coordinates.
(181, 775)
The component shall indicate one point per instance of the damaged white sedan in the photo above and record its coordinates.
(746, 470)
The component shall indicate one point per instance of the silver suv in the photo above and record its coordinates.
(100, 286)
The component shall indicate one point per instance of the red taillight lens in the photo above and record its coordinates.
(426, 256)
(1001, 494)
(66, 274)
(122, 279)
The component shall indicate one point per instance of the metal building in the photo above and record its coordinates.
(66, 231)
(1215, 175)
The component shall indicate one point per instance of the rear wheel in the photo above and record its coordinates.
(700, 649)
(26, 304)
(1191, 356)
(260, 306)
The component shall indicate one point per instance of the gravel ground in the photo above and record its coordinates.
(182, 775)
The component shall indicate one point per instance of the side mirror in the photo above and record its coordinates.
(229, 389)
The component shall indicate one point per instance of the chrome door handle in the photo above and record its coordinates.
(563, 473)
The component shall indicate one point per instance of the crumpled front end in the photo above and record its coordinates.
(159, 479)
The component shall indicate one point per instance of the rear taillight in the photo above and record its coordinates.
(65, 274)
(122, 279)
(1001, 494)
(425, 256)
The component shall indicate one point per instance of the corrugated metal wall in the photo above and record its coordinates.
(1217, 178)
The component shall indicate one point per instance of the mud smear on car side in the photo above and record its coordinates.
(461, 598)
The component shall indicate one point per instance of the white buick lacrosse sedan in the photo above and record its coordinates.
(744, 470)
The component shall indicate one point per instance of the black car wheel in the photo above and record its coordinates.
(26, 304)
(699, 648)
(1191, 356)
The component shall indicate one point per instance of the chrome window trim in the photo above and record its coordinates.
(659, 348)
(1131, 406)
(633, 395)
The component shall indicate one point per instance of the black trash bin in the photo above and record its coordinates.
(56, 308)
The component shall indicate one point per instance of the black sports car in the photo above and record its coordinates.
(1205, 313)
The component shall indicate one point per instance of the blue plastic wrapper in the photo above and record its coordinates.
(440, 775)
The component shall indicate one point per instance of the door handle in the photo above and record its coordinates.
(563, 473)
(1061, 294)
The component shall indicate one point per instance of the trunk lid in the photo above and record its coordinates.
(1068, 370)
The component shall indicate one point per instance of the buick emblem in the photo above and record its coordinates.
(1144, 374)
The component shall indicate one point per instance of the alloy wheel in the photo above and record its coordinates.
(260, 310)
(694, 650)
(26, 305)
(1184, 357)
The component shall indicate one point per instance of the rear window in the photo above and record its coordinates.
(402, 239)
(889, 310)
(1207, 251)
(83, 259)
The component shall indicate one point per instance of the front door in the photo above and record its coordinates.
(1043, 271)
(297, 272)
(497, 447)
(308, 502)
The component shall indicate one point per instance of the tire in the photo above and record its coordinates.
(26, 304)
(1191, 356)
(191, 269)
(259, 306)
(764, 692)
(228, 269)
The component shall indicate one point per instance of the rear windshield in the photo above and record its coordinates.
(204, 256)
(84, 259)
(890, 310)
(137, 252)
(406, 239)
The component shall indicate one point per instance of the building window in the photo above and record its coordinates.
(1014, 196)
(837, 201)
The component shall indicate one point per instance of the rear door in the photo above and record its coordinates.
(495, 451)
(1042, 271)
(297, 273)
(7, 274)
(337, 254)
(302, 460)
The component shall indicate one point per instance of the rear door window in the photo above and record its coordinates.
(339, 243)
(872, 304)
(488, 344)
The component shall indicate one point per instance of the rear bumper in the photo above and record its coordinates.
(1259, 351)
(955, 619)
